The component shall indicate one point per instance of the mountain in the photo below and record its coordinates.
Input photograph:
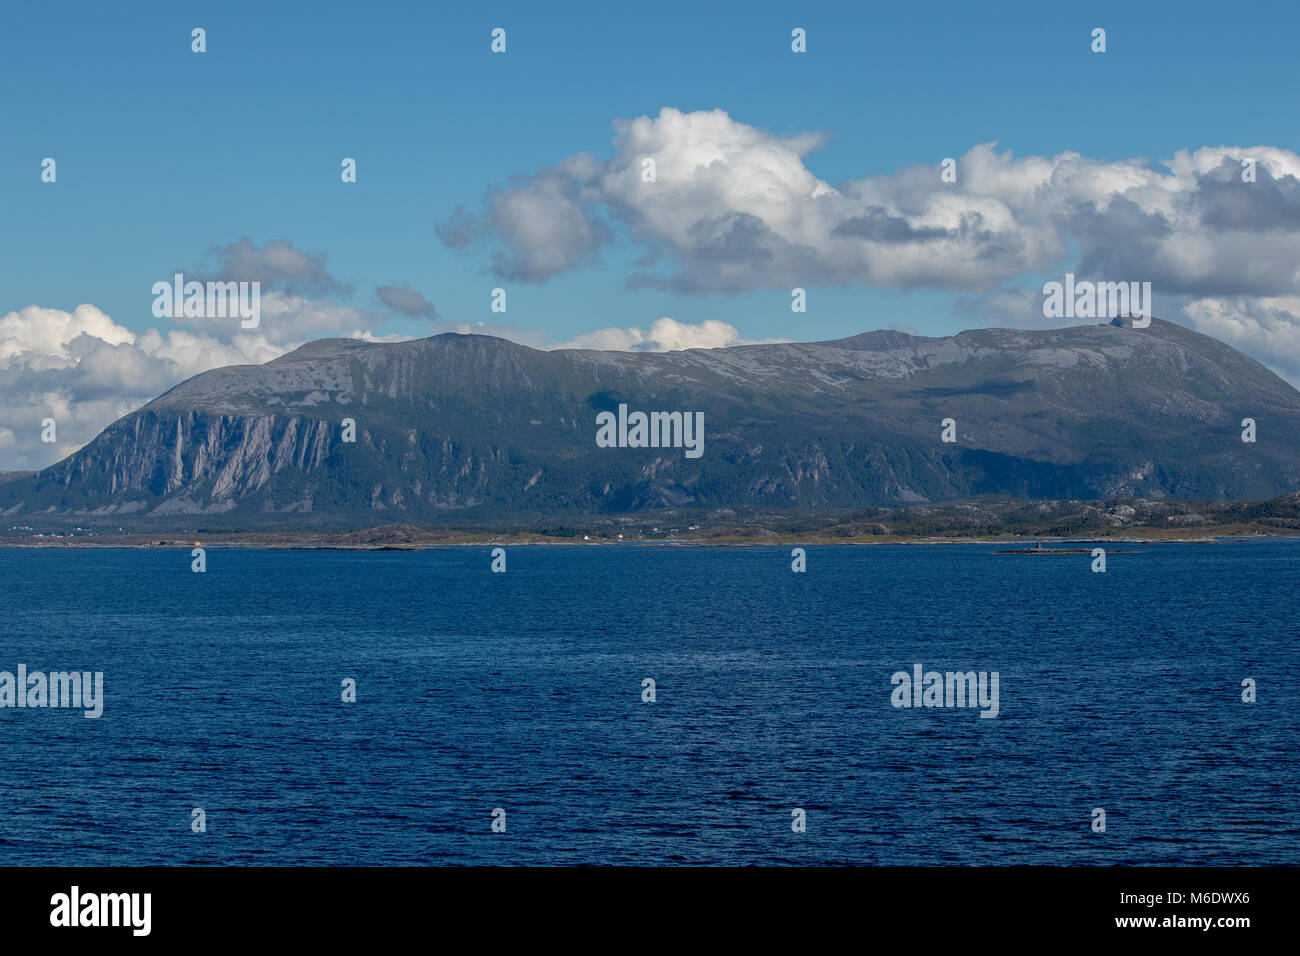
(457, 427)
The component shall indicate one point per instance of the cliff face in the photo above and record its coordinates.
(184, 461)
(471, 422)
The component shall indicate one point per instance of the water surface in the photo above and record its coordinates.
(523, 691)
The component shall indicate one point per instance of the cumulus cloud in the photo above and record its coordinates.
(546, 223)
(664, 335)
(733, 208)
(277, 264)
(1266, 327)
(288, 319)
(405, 300)
(297, 297)
(533, 338)
(85, 371)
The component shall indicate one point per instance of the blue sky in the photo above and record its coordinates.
(165, 156)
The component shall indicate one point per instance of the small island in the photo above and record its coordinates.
(1039, 549)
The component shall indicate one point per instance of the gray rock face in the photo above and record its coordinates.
(459, 422)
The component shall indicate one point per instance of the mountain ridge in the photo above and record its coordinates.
(473, 425)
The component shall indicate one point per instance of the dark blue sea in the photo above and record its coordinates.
(523, 691)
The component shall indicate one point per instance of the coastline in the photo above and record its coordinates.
(338, 542)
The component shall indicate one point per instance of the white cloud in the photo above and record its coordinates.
(735, 208)
(1266, 327)
(406, 301)
(664, 335)
(288, 318)
(276, 263)
(533, 338)
(85, 371)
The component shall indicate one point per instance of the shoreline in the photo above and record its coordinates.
(1051, 544)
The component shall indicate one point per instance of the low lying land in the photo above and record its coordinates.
(995, 521)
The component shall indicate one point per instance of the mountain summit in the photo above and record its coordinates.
(462, 425)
